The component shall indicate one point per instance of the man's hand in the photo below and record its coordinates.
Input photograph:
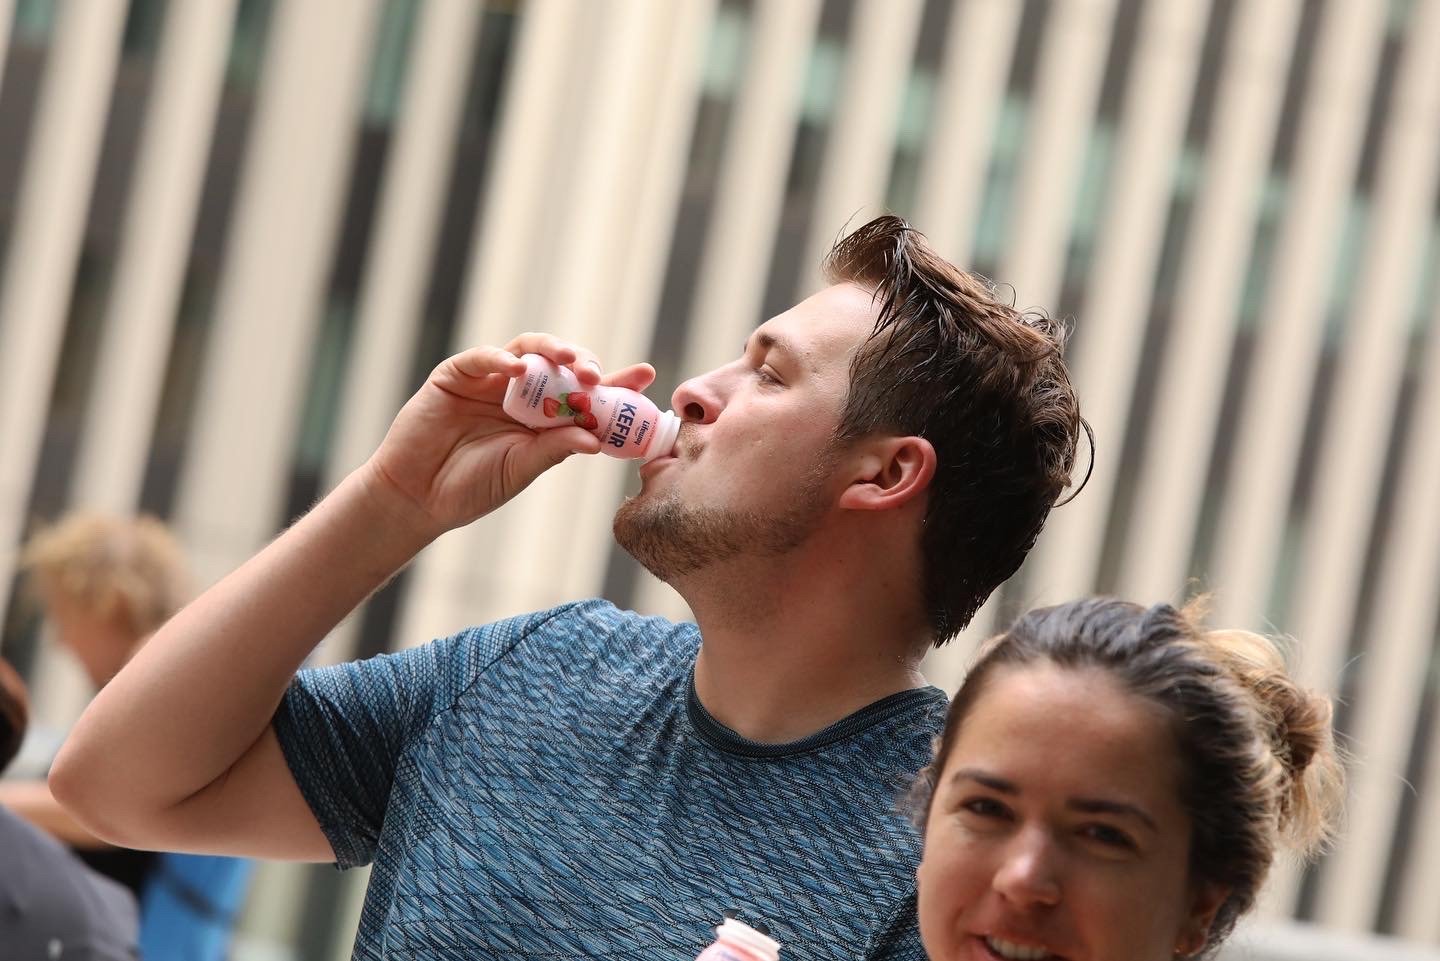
(453, 455)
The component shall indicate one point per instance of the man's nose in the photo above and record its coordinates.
(1029, 875)
(700, 399)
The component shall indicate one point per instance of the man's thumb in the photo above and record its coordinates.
(555, 445)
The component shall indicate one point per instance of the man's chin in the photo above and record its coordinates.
(640, 527)
(672, 539)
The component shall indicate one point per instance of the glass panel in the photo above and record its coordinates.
(34, 21)
(911, 135)
(143, 28)
(389, 62)
(822, 82)
(993, 224)
(207, 253)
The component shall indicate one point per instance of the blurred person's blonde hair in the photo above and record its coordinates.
(130, 571)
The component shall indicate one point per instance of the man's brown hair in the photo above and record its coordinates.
(985, 384)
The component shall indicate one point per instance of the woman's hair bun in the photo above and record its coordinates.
(1299, 724)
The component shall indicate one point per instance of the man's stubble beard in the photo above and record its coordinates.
(672, 539)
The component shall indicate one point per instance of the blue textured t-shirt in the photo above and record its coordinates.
(550, 787)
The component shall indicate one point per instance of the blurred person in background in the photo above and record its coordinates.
(1113, 784)
(105, 584)
(584, 780)
(51, 904)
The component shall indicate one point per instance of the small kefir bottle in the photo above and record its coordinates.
(628, 423)
(737, 941)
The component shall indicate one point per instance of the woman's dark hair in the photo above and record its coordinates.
(1258, 757)
(985, 384)
(14, 713)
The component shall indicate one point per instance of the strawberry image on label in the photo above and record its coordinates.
(586, 420)
(577, 400)
(551, 406)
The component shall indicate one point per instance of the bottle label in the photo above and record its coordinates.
(628, 427)
(616, 422)
(532, 391)
(546, 396)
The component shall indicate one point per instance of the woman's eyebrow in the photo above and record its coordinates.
(1085, 805)
(985, 779)
(1107, 806)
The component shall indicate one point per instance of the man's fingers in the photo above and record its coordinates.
(550, 447)
(635, 377)
(484, 361)
(547, 345)
(478, 362)
(587, 367)
(583, 362)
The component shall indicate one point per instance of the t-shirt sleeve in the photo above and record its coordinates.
(344, 728)
(897, 937)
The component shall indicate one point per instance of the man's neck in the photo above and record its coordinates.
(785, 654)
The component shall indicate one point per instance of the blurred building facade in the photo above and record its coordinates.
(236, 234)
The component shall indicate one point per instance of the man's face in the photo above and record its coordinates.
(753, 467)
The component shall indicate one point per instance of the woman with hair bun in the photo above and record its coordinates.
(1113, 783)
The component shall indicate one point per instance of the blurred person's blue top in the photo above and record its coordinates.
(189, 906)
(549, 786)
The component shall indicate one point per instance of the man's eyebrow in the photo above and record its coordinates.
(767, 341)
(1105, 806)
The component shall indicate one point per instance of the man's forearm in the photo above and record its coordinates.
(203, 689)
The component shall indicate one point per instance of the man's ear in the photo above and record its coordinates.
(1208, 899)
(889, 472)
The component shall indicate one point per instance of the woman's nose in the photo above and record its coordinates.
(1029, 875)
(698, 400)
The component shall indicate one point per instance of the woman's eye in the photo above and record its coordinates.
(1109, 836)
(986, 807)
(765, 376)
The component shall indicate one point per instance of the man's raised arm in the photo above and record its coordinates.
(178, 751)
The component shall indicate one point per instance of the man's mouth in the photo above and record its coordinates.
(650, 466)
(687, 445)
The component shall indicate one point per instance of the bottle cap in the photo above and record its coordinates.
(665, 433)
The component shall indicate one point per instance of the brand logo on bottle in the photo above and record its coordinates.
(624, 420)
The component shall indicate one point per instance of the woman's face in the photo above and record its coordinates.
(1056, 829)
